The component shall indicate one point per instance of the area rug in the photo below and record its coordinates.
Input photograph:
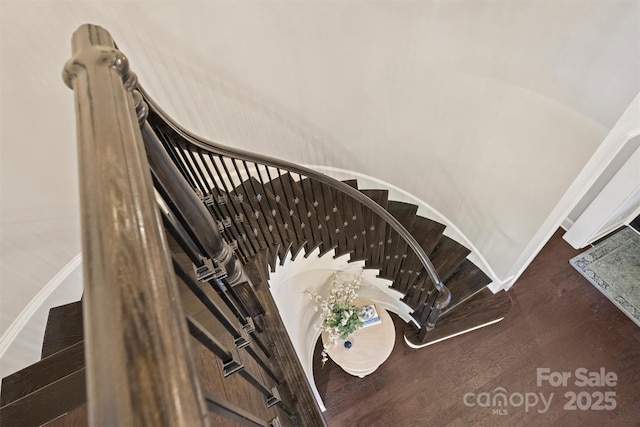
(613, 266)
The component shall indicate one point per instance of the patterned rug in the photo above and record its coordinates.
(613, 266)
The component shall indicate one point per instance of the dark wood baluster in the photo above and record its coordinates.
(312, 187)
(250, 192)
(253, 230)
(220, 197)
(274, 209)
(180, 151)
(205, 268)
(234, 413)
(326, 211)
(233, 235)
(170, 148)
(241, 340)
(300, 202)
(240, 216)
(221, 212)
(232, 365)
(291, 216)
(320, 233)
(209, 272)
(193, 212)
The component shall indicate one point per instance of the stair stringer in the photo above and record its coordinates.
(288, 283)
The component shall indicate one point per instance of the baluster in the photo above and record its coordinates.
(283, 241)
(289, 215)
(232, 365)
(241, 340)
(365, 210)
(207, 190)
(302, 215)
(193, 211)
(183, 157)
(243, 201)
(207, 271)
(233, 218)
(230, 411)
(327, 243)
(258, 209)
(212, 203)
(231, 190)
(225, 193)
(170, 148)
(313, 219)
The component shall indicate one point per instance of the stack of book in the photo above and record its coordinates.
(369, 315)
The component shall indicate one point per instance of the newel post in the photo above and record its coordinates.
(139, 368)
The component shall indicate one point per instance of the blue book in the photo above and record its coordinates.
(369, 315)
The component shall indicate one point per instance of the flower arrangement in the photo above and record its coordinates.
(340, 316)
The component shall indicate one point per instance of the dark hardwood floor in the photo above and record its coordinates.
(559, 321)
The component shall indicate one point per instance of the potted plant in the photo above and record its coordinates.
(340, 317)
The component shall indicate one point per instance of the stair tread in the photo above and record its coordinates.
(343, 204)
(287, 211)
(395, 246)
(375, 228)
(427, 233)
(354, 230)
(46, 403)
(78, 417)
(291, 192)
(64, 328)
(446, 256)
(41, 373)
(256, 198)
(315, 193)
(483, 308)
(286, 229)
(348, 228)
(351, 183)
(352, 223)
(465, 282)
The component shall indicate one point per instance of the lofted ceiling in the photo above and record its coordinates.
(486, 110)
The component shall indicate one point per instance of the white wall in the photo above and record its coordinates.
(486, 110)
(616, 204)
(288, 283)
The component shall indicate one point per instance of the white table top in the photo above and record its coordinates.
(371, 346)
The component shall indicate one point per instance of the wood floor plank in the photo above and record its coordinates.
(558, 320)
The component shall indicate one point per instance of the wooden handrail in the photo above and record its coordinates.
(139, 368)
(444, 294)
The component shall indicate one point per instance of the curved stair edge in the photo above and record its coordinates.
(424, 209)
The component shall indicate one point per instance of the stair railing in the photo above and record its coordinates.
(138, 364)
(215, 172)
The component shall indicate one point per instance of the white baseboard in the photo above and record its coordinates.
(566, 224)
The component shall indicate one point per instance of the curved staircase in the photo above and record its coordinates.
(288, 211)
(230, 218)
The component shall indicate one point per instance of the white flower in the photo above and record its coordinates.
(340, 298)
